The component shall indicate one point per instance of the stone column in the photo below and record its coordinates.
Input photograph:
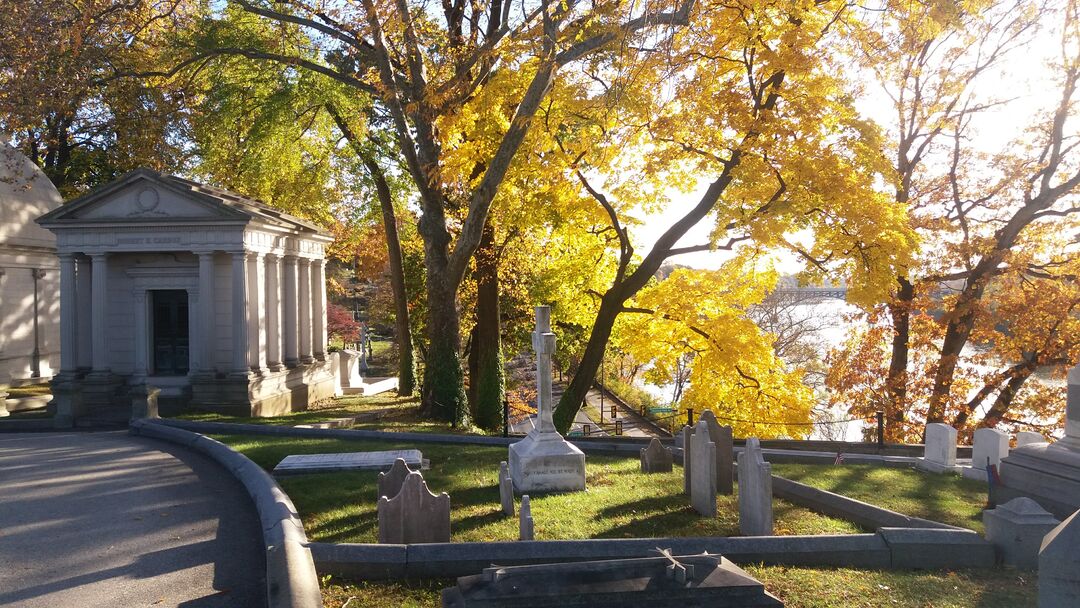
(273, 312)
(318, 308)
(142, 337)
(83, 313)
(38, 275)
(240, 366)
(290, 310)
(69, 341)
(544, 344)
(206, 319)
(303, 264)
(99, 323)
(256, 296)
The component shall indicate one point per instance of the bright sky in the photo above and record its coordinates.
(1024, 77)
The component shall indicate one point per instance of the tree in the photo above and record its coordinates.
(340, 324)
(783, 150)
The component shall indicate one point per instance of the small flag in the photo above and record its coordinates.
(839, 458)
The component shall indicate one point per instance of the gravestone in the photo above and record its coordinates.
(685, 434)
(1049, 473)
(989, 445)
(721, 437)
(1016, 529)
(389, 483)
(543, 461)
(526, 530)
(144, 401)
(415, 515)
(506, 489)
(703, 472)
(652, 582)
(349, 369)
(755, 491)
(1029, 437)
(656, 458)
(295, 464)
(1059, 565)
(939, 453)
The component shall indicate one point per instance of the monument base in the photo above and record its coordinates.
(935, 467)
(545, 462)
(1048, 473)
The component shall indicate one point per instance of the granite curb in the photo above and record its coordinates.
(291, 578)
(864, 514)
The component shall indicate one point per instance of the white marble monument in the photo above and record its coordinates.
(29, 281)
(939, 452)
(989, 446)
(213, 297)
(543, 461)
(1049, 473)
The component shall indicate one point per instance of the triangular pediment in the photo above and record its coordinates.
(144, 196)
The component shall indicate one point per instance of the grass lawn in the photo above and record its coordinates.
(620, 502)
(797, 587)
(401, 414)
(949, 499)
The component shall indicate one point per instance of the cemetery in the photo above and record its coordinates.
(524, 304)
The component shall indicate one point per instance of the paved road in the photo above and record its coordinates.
(108, 520)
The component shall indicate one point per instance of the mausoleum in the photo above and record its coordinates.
(29, 307)
(215, 298)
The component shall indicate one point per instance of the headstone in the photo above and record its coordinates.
(1029, 437)
(755, 491)
(349, 369)
(389, 483)
(144, 401)
(1017, 528)
(721, 437)
(989, 446)
(348, 461)
(939, 453)
(1049, 473)
(703, 480)
(415, 515)
(687, 464)
(506, 489)
(335, 368)
(652, 582)
(526, 530)
(543, 461)
(656, 458)
(1059, 565)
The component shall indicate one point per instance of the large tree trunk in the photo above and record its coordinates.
(443, 392)
(488, 379)
(896, 381)
(406, 363)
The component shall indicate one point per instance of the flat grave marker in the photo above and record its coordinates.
(297, 464)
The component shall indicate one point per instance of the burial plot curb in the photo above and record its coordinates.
(864, 514)
(291, 578)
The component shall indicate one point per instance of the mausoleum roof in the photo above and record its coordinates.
(25, 193)
(123, 200)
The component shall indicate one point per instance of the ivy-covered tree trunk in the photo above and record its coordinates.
(488, 381)
(443, 392)
(896, 382)
(406, 364)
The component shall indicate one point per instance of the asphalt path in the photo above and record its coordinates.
(104, 519)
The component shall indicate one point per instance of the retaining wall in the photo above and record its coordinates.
(291, 579)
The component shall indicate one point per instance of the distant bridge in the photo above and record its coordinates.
(812, 294)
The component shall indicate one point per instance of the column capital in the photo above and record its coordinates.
(98, 255)
(204, 252)
(254, 255)
(66, 257)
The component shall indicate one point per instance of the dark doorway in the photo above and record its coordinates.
(170, 314)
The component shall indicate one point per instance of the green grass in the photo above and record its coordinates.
(620, 502)
(797, 587)
(948, 499)
(402, 414)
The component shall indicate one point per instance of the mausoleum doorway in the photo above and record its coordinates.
(170, 336)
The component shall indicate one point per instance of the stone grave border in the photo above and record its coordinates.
(900, 542)
(291, 578)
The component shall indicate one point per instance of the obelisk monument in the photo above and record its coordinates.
(543, 461)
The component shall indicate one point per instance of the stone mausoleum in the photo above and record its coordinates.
(214, 298)
(29, 309)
